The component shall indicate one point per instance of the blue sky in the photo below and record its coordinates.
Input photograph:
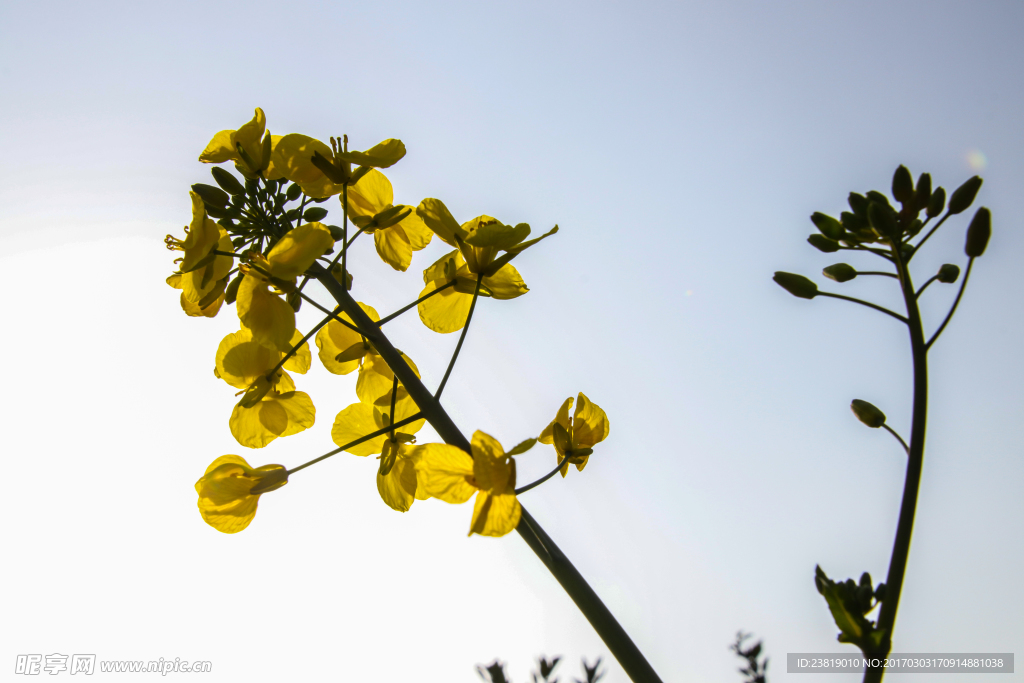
(680, 148)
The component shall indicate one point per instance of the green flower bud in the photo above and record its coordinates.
(228, 182)
(859, 204)
(903, 186)
(231, 293)
(294, 300)
(294, 191)
(336, 232)
(797, 285)
(314, 214)
(867, 413)
(964, 195)
(840, 272)
(879, 198)
(978, 232)
(923, 193)
(822, 243)
(883, 219)
(948, 273)
(828, 226)
(937, 202)
(211, 196)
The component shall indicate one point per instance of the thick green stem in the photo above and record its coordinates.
(620, 644)
(912, 483)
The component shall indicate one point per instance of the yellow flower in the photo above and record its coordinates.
(208, 306)
(574, 438)
(270, 407)
(397, 230)
(450, 474)
(281, 411)
(256, 145)
(230, 489)
(260, 308)
(396, 475)
(447, 311)
(322, 171)
(376, 380)
(341, 348)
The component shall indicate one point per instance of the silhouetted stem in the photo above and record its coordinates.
(462, 338)
(299, 345)
(333, 315)
(864, 303)
(379, 432)
(402, 310)
(898, 438)
(617, 640)
(524, 489)
(930, 233)
(949, 316)
(912, 482)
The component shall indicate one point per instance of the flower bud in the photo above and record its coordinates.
(963, 196)
(294, 300)
(978, 232)
(840, 272)
(228, 182)
(294, 191)
(828, 226)
(314, 214)
(858, 204)
(797, 285)
(882, 219)
(336, 232)
(903, 186)
(937, 202)
(822, 243)
(948, 273)
(211, 196)
(231, 293)
(923, 193)
(867, 413)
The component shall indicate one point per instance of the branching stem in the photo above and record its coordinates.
(524, 489)
(952, 310)
(383, 430)
(864, 303)
(462, 338)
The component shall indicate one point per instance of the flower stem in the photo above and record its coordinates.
(864, 303)
(402, 310)
(524, 489)
(613, 635)
(949, 316)
(462, 338)
(358, 441)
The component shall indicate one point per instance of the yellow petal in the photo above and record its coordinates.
(371, 195)
(300, 360)
(397, 488)
(445, 312)
(225, 501)
(491, 467)
(376, 381)
(393, 247)
(276, 415)
(381, 155)
(241, 360)
(561, 417)
(589, 424)
(355, 422)
(298, 249)
(267, 315)
(208, 311)
(506, 283)
(416, 231)
(439, 219)
(444, 472)
(250, 136)
(495, 514)
(220, 149)
(292, 158)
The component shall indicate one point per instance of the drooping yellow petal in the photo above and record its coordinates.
(506, 283)
(276, 415)
(241, 360)
(393, 247)
(267, 315)
(208, 311)
(397, 488)
(589, 424)
(300, 360)
(416, 231)
(495, 514)
(445, 312)
(371, 195)
(298, 249)
(492, 469)
(376, 381)
(382, 155)
(355, 422)
(444, 472)
(250, 135)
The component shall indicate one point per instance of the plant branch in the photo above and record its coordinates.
(930, 233)
(617, 640)
(949, 316)
(333, 315)
(898, 438)
(864, 303)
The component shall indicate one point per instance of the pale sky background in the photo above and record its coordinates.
(681, 148)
